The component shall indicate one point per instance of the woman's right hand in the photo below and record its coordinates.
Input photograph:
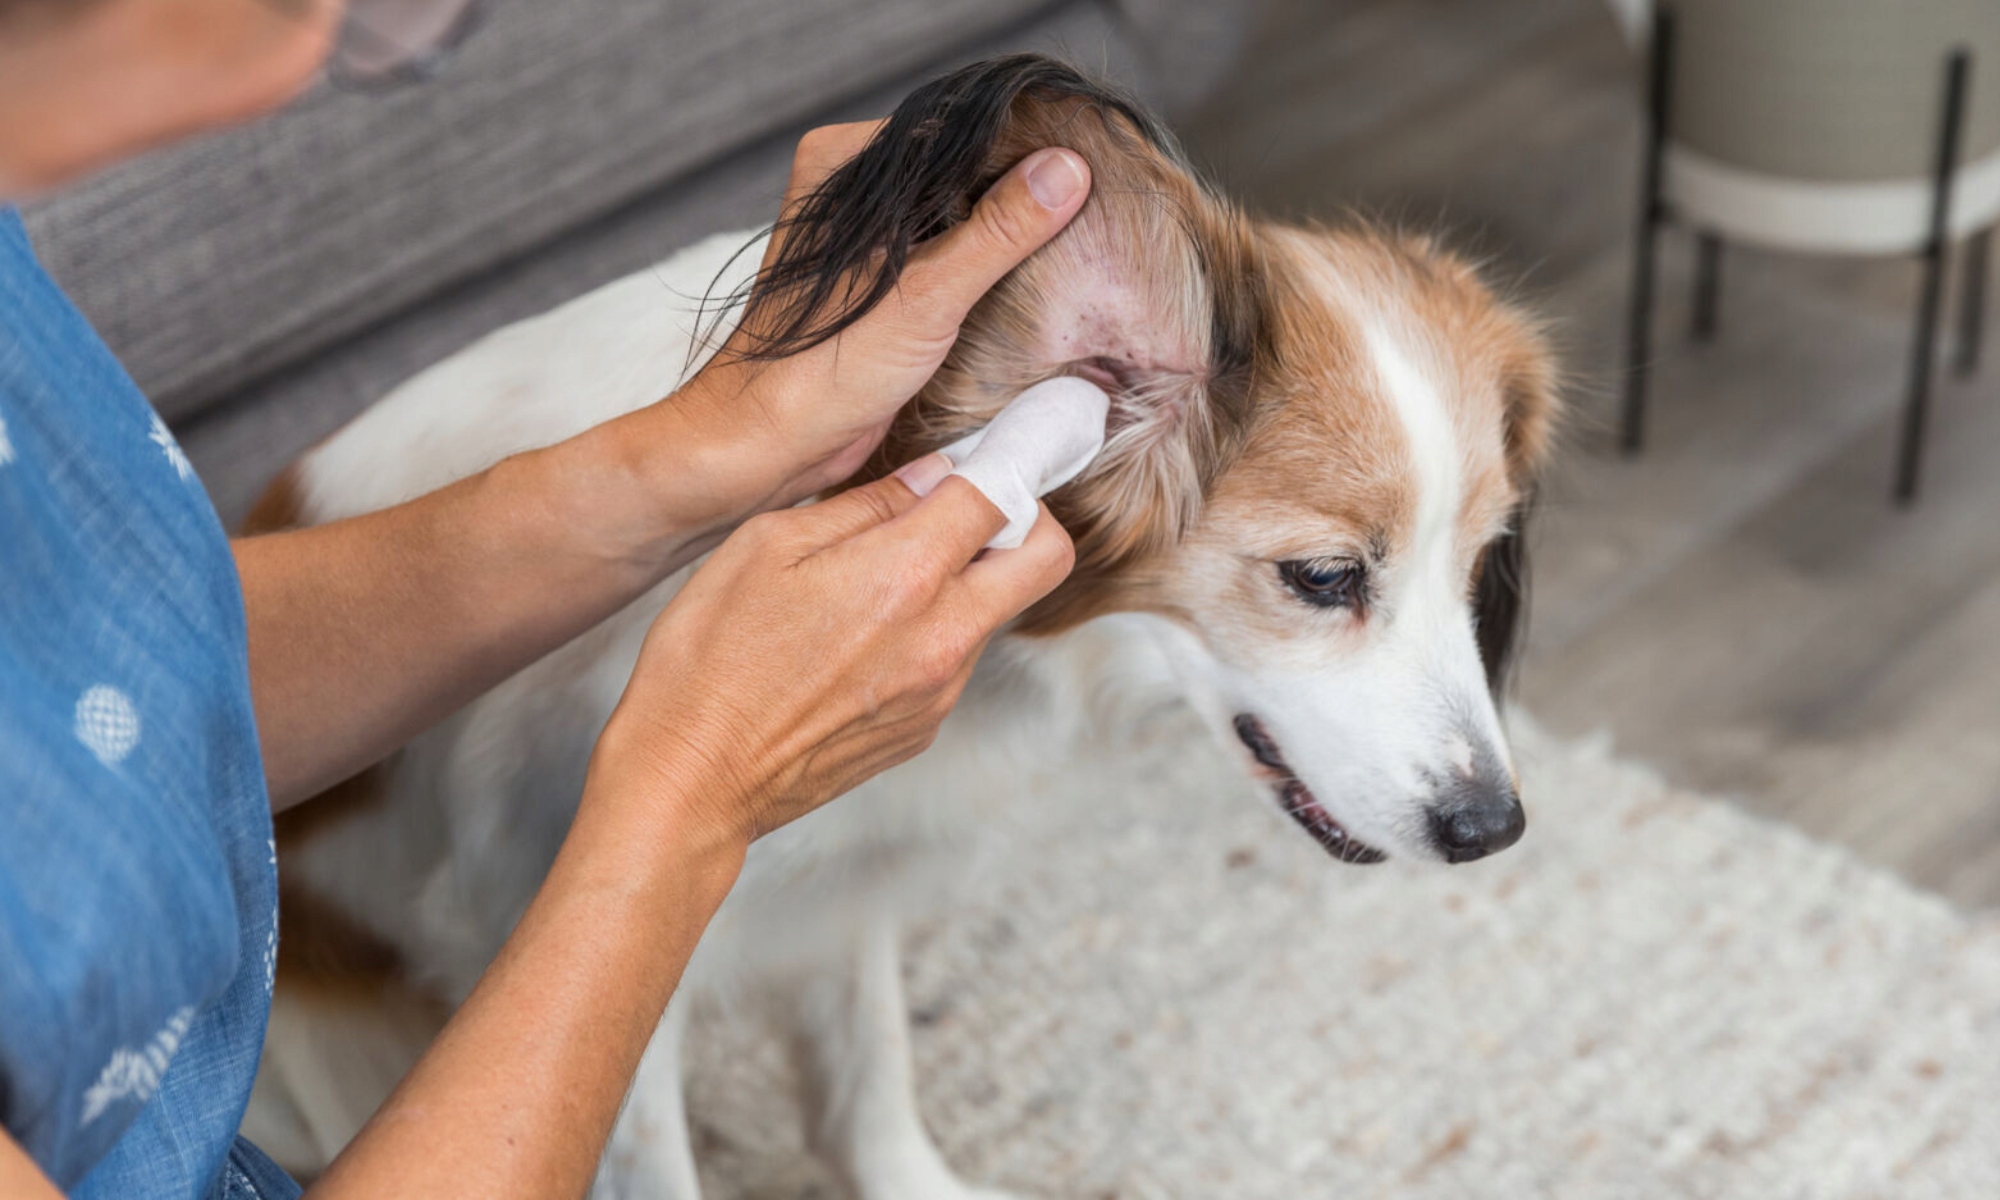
(817, 647)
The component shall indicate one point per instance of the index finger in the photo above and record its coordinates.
(820, 153)
(1001, 586)
(948, 527)
(823, 151)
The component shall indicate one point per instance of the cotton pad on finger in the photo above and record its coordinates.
(1044, 438)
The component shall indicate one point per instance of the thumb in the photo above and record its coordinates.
(1029, 205)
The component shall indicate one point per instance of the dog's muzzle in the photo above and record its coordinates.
(1296, 800)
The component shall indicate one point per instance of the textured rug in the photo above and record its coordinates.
(1161, 989)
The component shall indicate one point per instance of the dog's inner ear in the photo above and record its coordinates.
(1151, 291)
(1143, 295)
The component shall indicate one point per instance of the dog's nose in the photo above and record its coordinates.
(1477, 821)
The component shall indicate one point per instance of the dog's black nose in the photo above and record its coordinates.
(1477, 821)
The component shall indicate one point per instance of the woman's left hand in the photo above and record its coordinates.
(808, 421)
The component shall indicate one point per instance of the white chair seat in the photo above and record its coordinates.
(1818, 217)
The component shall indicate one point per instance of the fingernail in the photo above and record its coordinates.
(1056, 177)
(924, 474)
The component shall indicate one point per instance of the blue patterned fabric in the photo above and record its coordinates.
(138, 891)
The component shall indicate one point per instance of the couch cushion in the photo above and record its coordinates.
(288, 235)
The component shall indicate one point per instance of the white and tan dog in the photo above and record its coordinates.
(1304, 524)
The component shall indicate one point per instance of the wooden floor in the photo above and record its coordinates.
(1741, 607)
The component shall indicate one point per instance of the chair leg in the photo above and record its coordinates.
(1639, 336)
(1707, 285)
(1916, 409)
(1652, 212)
(1976, 265)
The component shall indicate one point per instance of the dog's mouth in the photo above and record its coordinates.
(1297, 800)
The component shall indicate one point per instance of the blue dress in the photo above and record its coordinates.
(138, 887)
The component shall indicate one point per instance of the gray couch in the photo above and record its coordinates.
(265, 284)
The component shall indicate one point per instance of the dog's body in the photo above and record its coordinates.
(1317, 439)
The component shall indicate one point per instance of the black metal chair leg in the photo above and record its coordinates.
(1652, 211)
(1976, 265)
(1707, 285)
(1958, 70)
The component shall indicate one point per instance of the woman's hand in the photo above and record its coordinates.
(810, 420)
(365, 631)
(816, 648)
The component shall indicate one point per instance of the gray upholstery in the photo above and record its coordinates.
(267, 283)
(294, 232)
(238, 445)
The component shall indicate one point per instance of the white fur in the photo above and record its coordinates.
(478, 806)
(1414, 693)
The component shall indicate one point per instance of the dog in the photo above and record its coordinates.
(1306, 524)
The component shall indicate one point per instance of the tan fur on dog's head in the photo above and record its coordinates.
(1320, 445)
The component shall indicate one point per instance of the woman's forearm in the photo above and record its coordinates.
(518, 1094)
(365, 631)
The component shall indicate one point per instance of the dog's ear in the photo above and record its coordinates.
(1149, 292)
(1500, 600)
(1531, 388)
(1531, 393)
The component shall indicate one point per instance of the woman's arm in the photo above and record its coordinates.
(363, 632)
(517, 1095)
(20, 1178)
(818, 647)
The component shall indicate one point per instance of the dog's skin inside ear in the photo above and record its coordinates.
(1149, 293)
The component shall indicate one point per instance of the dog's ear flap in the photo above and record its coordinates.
(1500, 600)
(1531, 394)
(845, 245)
(1124, 296)
(1531, 390)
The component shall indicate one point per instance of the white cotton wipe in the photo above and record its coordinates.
(1043, 439)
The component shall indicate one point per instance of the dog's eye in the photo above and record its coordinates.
(1324, 582)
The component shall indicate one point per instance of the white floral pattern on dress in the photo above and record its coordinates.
(107, 723)
(164, 439)
(135, 1074)
(271, 937)
(6, 444)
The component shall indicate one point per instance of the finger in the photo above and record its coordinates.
(951, 525)
(851, 513)
(820, 153)
(1001, 585)
(823, 151)
(1028, 206)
